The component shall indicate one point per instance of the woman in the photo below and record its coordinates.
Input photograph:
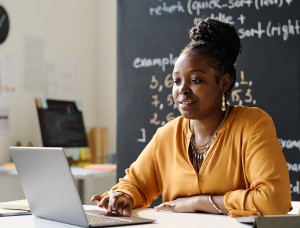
(213, 158)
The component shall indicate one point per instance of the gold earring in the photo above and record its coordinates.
(223, 103)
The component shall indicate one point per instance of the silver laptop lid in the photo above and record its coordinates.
(48, 184)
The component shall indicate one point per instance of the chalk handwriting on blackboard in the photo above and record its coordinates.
(164, 8)
(242, 91)
(139, 62)
(294, 167)
(196, 7)
(284, 29)
(295, 188)
(271, 29)
(159, 103)
(290, 144)
(143, 138)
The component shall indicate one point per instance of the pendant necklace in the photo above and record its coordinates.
(198, 153)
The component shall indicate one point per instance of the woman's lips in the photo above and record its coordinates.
(185, 104)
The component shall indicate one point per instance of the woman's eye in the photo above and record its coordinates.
(176, 82)
(196, 81)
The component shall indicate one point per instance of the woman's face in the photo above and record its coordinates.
(196, 92)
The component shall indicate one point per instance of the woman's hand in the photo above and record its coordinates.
(195, 204)
(179, 205)
(116, 203)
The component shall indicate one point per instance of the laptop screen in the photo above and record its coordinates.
(61, 123)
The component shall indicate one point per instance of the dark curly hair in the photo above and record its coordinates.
(219, 42)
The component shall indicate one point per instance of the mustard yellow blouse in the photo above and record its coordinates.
(245, 163)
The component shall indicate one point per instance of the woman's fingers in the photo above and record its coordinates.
(116, 203)
(164, 206)
(111, 207)
(96, 198)
(103, 202)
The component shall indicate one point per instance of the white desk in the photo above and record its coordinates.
(163, 220)
(88, 183)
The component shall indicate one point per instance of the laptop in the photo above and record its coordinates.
(51, 191)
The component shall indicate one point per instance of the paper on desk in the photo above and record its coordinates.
(21, 205)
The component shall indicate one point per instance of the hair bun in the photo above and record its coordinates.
(219, 34)
(201, 32)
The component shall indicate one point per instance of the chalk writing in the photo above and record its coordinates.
(265, 3)
(159, 100)
(295, 188)
(284, 29)
(290, 144)
(139, 62)
(164, 8)
(220, 17)
(242, 92)
(143, 138)
(295, 167)
(197, 6)
(291, 28)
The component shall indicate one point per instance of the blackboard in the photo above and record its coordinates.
(150, 36)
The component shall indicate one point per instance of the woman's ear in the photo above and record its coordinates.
(226, 82)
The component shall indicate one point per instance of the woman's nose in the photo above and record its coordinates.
(184, 89)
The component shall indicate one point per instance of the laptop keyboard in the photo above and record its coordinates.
(101, 219)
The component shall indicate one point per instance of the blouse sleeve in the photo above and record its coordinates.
(140, 181)
(266, 174)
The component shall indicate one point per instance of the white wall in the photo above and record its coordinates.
(80, 31)
(107, 71)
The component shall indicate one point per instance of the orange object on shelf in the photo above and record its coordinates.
(107, 167)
